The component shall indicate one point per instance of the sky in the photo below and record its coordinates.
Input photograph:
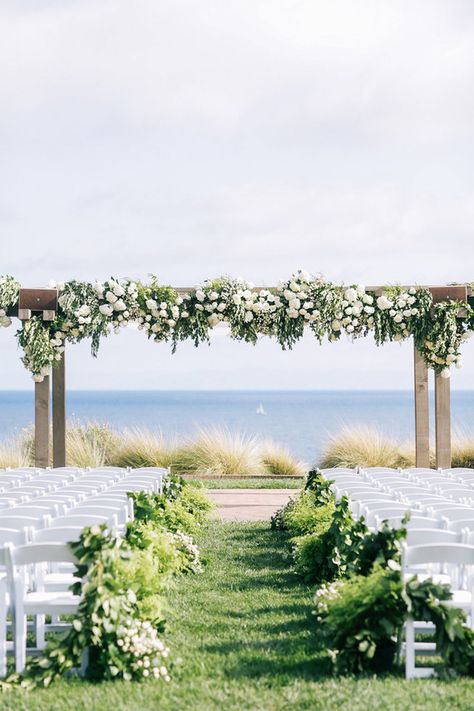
(252, 137)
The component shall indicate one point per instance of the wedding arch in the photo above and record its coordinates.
(437, 318)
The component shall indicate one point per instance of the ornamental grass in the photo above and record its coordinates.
(365, 446)
(15, 452)
(218, 452)
(278, 460)
(140, 447)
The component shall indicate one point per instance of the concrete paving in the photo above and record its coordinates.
(249, 504)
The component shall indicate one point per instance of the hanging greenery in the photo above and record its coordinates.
(93, 311)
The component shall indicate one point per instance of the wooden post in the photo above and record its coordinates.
(422, 412)
(59, 413)
(443, 421)
(42, 423)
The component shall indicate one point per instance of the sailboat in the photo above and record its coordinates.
(260, 410)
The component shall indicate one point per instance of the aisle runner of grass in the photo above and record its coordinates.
(243, 633)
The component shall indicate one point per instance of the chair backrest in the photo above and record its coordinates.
(39, 553)
(419, 536)
(455, 514)
(83, 521)
(33, 510)
(454, 553)
(20, 522)
(16, 537)
(63, 534)
(460, 524)
(413, 523)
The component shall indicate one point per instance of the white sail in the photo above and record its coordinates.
(260, 410)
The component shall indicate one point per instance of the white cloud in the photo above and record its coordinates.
(249, 137)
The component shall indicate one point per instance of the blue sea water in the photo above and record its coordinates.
(302, 420)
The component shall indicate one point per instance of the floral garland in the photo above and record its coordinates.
(329, 310)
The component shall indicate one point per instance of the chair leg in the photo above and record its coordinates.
(20, 638)
(409, 649)
(39, 631)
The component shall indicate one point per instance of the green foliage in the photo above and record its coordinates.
(360, 620)
(87, 310)
(427, 600)
(122, 584)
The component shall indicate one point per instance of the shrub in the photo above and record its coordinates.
(361, 619)
(305, 516)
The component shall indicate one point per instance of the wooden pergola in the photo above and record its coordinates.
(44, 302)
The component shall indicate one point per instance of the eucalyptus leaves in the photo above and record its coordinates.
(329, 310)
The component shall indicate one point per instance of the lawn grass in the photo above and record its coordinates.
(241, 637)
(251, 483)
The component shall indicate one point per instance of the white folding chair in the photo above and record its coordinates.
(84, 520)
(35, 600)
(456, 555)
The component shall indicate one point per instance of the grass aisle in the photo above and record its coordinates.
(243, 633)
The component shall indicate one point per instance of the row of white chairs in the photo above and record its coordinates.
(45, 510)
(440, 532)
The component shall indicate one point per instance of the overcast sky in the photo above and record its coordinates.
(191, 139)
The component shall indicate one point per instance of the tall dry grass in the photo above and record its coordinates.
(365, 446)
(16, 452)
(462, 449)
(218, 452)
(140, 447)
(278, 460)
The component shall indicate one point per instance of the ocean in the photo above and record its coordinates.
(302, 420)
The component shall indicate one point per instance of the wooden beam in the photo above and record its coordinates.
(443, 421)
(59, 413)
(42, 391)
(422, 411)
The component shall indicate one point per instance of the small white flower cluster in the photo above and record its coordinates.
(450, 357)
(9, 290)
(211, 303)
(5, 320)
(355, 314)
(324, 596)
(138, 641)
(117, 303)
(401, 308)
(186, 544)
(297, 297)
(159, 316)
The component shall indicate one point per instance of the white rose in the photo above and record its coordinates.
(150, 304)
(398, 318)
(350, 295)
(221, 307)
(118, 290)
(369, 309)
(445, 373)
(111, 298)
(106, 310)
(294, 286)
(383, 303)
(294, 304)
(200, 295)
(248, 316)
(38, 378)
(350, 328)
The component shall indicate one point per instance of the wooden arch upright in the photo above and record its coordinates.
(44, 302)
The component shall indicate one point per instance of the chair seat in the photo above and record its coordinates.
(59, 602)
